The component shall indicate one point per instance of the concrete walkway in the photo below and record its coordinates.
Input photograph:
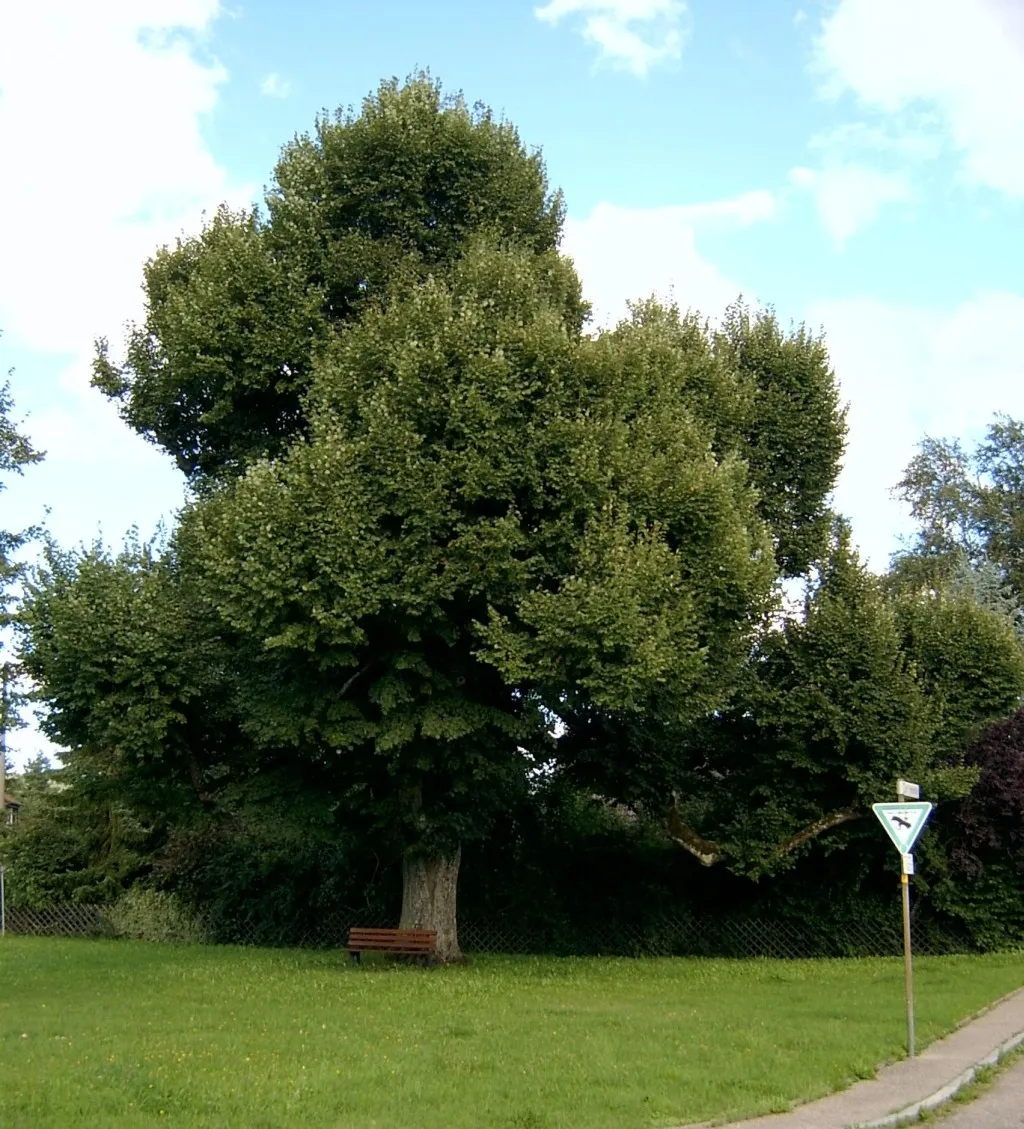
(902, 1089)
(1001, 1107)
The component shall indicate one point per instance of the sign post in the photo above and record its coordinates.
(903, 822)
(908, 963)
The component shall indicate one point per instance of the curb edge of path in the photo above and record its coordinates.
(944, 1094)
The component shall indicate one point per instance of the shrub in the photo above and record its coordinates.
(981, 873)
(144, 914)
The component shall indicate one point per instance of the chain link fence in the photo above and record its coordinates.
(58, 921)
(658, 936)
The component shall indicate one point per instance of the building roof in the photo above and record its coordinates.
(10, 801)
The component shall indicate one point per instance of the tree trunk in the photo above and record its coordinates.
(428, 900)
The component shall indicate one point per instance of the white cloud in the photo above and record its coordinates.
(905, 137)
(101, 114)
(274, 86)
(101, 109)
(962, 58)
(631, 35)
(908, 372)
(849, 198)
(624, 253)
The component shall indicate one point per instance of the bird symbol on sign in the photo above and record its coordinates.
(901, 822)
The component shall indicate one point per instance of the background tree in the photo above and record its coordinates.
(968, 553)
(16, 452)
(137, 677)
(969, 508)
(859, 689)
(73, 842)
(977, 865)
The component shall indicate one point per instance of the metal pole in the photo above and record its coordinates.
(908, 965)
(3, 906)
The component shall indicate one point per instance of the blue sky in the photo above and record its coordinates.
(858, 164)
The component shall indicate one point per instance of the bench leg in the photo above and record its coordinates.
(356, 956)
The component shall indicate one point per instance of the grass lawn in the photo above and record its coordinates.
(111, 1034)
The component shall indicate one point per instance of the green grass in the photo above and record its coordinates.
(119, 1035)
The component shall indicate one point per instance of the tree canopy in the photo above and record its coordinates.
(235, 316)
(790, 429)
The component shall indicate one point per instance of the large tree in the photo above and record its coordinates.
(432, 515)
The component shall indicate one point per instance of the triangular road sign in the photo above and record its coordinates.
(903, 822)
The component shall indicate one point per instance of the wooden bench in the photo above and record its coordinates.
(399, 942)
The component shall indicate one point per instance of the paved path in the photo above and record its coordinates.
(1002, 1107)
(911, 1080)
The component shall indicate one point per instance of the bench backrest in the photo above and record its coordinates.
(418, 940)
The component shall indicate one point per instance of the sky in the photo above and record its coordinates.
(856, 164)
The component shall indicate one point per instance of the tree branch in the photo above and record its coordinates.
(703, 850)
(349, 682)
(707, 852)
(818, 827)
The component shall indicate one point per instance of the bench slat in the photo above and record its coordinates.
(389, 941)
(391, 944)
(388, 948)
(386, 934)
(386, 941)
(396, 947)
